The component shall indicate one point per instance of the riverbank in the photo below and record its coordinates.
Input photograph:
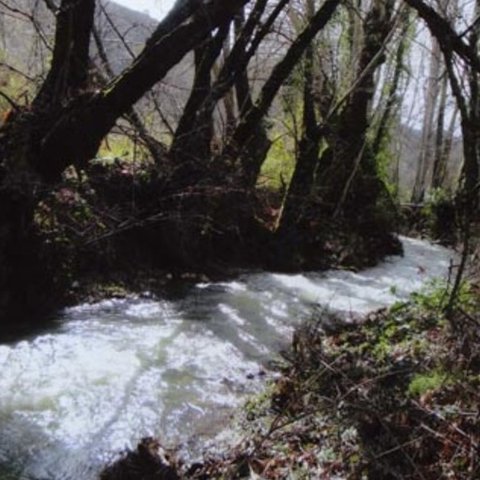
(137, 276)
(396, 397)
(90, 240)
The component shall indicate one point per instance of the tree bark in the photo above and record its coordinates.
(308, 150)
(391, 105)
(348, 156)
(156, 149)
(439, 161)
(233, 70)
(68, 73)
(193, 136)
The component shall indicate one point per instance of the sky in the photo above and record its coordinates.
(155, 8)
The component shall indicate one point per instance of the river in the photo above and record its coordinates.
(107, 374)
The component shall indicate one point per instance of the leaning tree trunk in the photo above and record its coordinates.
(232, 73)
(66, 124)
(308, 150)
(156, 149)
(193, 136)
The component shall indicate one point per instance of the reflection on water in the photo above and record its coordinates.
(119, 370)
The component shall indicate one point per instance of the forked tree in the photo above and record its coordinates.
(67, 121)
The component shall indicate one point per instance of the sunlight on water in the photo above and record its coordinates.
(119, 370)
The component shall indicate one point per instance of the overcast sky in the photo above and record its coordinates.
(155, 8)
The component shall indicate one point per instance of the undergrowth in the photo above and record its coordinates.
(395, 398)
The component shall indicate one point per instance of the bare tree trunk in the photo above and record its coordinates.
(446, 151)
(439, 162)
(242, 84)
(68, 73)
(230, 106)
(426, 154)
(151, 95)
(233, 71)
(193, 137)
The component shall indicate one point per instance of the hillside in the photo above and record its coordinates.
(26, 34)
(24, 43)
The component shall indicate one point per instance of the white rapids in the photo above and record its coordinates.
(111, 373)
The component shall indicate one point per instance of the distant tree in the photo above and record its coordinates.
(426, 150)
(462, 63)
(432, 158)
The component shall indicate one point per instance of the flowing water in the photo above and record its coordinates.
(110, 373)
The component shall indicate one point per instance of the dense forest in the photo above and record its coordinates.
(283, 135)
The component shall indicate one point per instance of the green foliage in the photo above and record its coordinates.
(432, 298)
(435, 296)
(422, 383)
(121, 147)
(384, 160)
(278, 167)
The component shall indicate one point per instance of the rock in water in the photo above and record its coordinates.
(150, 461)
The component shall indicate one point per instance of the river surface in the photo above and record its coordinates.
(108, 374)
